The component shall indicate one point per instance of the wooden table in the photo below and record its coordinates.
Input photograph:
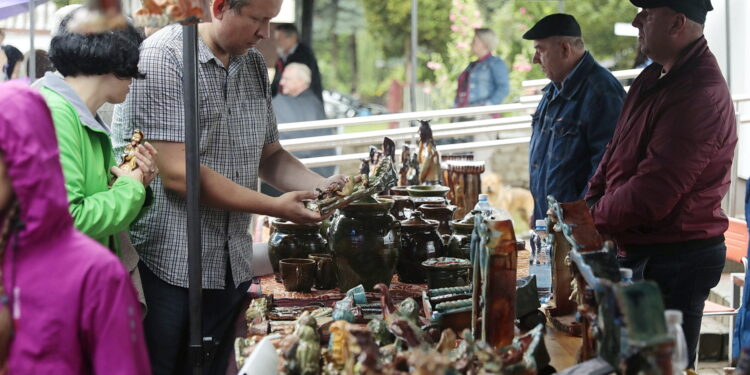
(562, 348)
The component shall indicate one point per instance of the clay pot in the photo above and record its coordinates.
(399, 190)
(419, 201)
(442, 213)
(292, 240)
(427, 190)
(298, 274)
(325, 273)
(459, 244)
(419, 241)
(447, 272)
(402, 206)
(364, 240)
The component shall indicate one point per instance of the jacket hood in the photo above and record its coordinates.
(29, 145)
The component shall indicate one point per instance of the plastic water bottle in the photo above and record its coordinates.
(541, 265)
(483, 205)
(626, 276)
(674, 329)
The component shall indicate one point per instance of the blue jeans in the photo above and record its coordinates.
(685, 279)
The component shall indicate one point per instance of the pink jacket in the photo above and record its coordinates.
(74, 307)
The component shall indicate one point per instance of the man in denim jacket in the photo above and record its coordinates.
(575, 118)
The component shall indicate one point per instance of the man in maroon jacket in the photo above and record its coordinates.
(658, 189)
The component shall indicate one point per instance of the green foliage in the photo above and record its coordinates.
(62, 3)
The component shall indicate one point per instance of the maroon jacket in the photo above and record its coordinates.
(667, 167)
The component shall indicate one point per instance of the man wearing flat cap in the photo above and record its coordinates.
(659, 187)
(576, 116)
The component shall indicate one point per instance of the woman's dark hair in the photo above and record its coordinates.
(14, 57)
(115, 51)
(42, 63)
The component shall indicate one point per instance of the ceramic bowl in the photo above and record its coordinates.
(427, 191)
(446, 272)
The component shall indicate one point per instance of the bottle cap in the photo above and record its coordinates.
(483, 197)
(673, 316)
(540, 224)
(626, 273)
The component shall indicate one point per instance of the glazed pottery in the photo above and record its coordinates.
(419, 201)
(402, 206)
(297, 274)
(325, 272)
(440, 212)
(364, 240)
(460, 241)
(399, 190)
(292, 240)
(447, 272)
(427, 190)
(419, 241)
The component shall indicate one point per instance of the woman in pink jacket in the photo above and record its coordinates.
(73, 307)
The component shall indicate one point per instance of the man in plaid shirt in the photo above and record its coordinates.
(239, 142)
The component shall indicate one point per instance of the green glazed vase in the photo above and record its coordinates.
(364, 241)
(292, 240)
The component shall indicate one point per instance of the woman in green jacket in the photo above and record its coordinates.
(94, 69)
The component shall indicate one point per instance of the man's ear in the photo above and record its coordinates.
(218, 7)
(679, 22)
(565, 48)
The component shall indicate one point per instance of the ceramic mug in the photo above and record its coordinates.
(325, 272)
(297, 274)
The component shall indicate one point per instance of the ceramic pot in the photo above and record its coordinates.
(440, 212)
(297, 274)
(419, 201)
(419, 241)
(402, 206)
(459, 245)
(427, 190)
(447, 272)
(364, 240)
(292, 240)
(325, 273)
(399, 190)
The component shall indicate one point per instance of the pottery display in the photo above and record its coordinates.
(399, 190)
(419, 201)
(402, 206)
(297, 274)
(446, 272)
(419, 242)
(441, 213)
(364, 240)
(292, 240)
(459, 244)
(427, 190)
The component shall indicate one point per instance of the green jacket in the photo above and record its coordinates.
(86, 155)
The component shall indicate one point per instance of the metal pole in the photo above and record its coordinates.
(192, 167)
(413, 82)
(32, 55)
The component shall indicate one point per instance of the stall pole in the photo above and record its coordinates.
(413, 82)
(192, 166)
(32, 31)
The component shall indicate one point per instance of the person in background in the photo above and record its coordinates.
(485, 80)
(104, 199)
(298, 103)
(659, 186)
(73, 308)
(576, 117)
(239, 143)
(291, 50)
(12, 66)
(43, 64)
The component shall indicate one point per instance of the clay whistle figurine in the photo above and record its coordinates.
(131, 149)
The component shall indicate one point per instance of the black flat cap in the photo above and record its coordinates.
(558, 24)
(692, 9)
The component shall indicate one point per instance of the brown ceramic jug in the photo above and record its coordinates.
(292, 240)
(419, 241)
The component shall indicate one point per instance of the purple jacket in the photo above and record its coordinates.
(74, 307)
(668, 165)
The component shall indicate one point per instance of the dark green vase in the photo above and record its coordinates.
(292, 240)
(364, 240)
(460, 240)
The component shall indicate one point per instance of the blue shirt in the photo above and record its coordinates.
(570, 131)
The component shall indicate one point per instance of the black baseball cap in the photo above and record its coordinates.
(692, 9)
(557, 24)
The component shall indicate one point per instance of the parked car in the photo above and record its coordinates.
(338, 105)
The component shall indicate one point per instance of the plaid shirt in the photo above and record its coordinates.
(236, 121)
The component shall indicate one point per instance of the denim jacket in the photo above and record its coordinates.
(570, 131)
(488, 82)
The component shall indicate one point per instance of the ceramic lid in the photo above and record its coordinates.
(416, 221)
(466, 223)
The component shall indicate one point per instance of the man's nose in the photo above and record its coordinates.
(264, 30)
(637, 20)
(536, 59)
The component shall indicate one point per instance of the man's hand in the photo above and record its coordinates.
(290, 207)
(145, 158)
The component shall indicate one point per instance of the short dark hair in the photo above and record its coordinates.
(42, 63)
(288, 29)
(14, 56)
(116, 52)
